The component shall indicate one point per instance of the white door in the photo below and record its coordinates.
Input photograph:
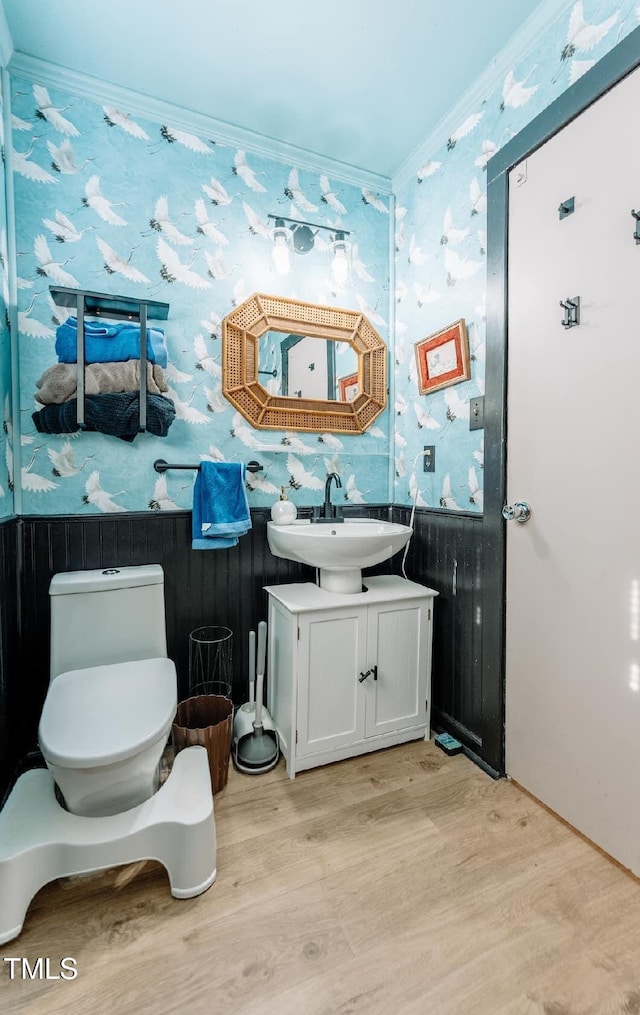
(573, 570)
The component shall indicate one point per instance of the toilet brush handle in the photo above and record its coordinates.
(252, 665)
(260, 664)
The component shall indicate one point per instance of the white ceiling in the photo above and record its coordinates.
(360, 81)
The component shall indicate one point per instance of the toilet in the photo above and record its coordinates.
(112, 691)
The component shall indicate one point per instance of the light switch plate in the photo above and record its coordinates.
(476, 413)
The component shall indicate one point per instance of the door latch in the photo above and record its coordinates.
(368, 673)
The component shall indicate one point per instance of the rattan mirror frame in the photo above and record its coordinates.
(241, 332)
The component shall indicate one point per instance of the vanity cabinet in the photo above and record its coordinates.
(348, 674)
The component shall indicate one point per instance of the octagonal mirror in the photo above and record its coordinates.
(289, 365)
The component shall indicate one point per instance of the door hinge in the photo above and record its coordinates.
(298, 634)
(296, 736)
(429, 615)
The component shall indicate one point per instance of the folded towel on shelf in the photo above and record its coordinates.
(106, 343)
(115, 414)
(60, 381)
(220, 507)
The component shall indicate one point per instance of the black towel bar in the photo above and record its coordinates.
(161, 466)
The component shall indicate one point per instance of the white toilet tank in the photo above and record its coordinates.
(106, 616)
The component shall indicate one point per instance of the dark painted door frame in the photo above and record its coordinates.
(611, 69)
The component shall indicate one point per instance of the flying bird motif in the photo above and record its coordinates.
(190, 141)
(478, 198)
(256, 226)
(260, 483)
(447, 499)
(115, 118)
(173, 270)
(64, 461)
(416, 254)
(414, 492)
(488, 149)
(427, 170)
(368, 197)
(32, 481)
(161, 223)
(63, 158)
(465, 128)
(204, 361)
(185, 411)
(115, 264)
(578, 68)
(299, 476)
(582, 37)
(205, 226)
(247, 175)
(328, 197)
(47, 111)
(514, 93)
(216, 192)
(63, 228)
(449, 233)
(49, 268)
(29, 326)
(459, 268)
(94, 199)
(293, 192)
(456, 408)
(160, 500)
(352, 494)
(213, 325)
(99, 498)
(31, 170)
(216, 265)
(476, 494)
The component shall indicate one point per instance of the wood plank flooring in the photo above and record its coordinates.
(400, 882)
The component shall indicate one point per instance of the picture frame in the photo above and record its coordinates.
(348, 387)
(443, 358)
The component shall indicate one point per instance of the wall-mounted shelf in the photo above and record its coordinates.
(121, 308)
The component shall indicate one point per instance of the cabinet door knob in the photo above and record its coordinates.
(368, 673)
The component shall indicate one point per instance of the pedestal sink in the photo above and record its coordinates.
(339, 550)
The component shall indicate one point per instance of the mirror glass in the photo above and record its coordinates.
(303, 366)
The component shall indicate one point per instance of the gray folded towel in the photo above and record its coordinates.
(59, 383)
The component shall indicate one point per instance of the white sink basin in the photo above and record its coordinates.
(339, 550)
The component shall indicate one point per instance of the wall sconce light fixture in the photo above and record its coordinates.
(300, 237)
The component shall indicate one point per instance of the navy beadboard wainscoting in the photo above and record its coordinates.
(226, 587)
(12, 674)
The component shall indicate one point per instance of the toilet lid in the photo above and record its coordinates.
(103, 714)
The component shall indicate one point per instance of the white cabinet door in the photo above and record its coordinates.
(398, 647)
(332, 654)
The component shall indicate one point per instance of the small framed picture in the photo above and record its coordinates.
(347, 387)
(443, 358)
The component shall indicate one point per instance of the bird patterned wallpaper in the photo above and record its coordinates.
(110, 202)
(6, 432)
(440, 243)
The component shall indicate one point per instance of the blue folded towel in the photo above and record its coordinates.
(220, 507)
(108, 343)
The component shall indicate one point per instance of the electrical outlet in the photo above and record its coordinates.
(429, 458)
(476, 413)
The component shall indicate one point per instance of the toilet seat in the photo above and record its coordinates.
(104, 714)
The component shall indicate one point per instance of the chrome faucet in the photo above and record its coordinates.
(329, 512)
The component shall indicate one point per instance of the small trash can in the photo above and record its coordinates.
(205, 718)
(206, 721)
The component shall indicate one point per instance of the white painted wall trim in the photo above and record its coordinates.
(6, 42)
(96, 90)
(518, 47)
(12, 309)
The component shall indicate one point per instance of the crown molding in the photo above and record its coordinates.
(96, 90)
(518, 47)
(6, 42)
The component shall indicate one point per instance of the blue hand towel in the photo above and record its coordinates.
(220, 507)
(108, 343)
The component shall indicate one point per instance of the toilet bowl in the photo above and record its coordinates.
(112, 694)
(103, 731)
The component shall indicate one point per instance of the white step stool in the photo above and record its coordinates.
(40, 841)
